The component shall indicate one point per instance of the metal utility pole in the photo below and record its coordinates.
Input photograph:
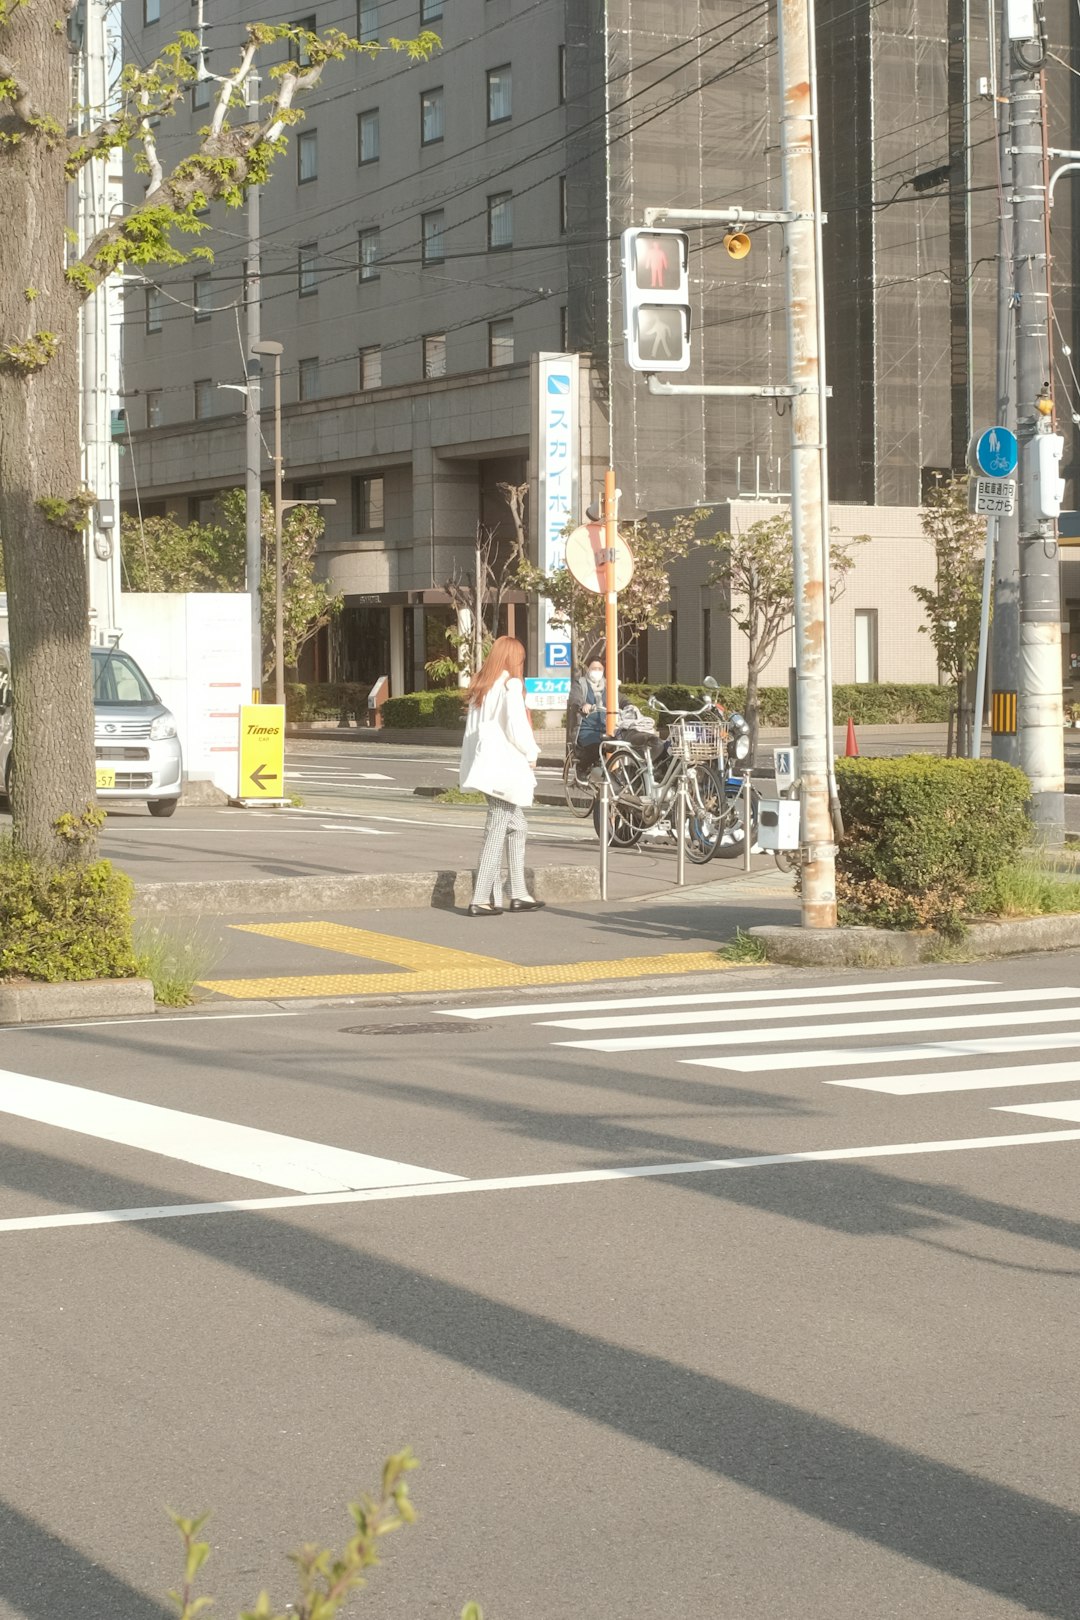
(253, 423)
(276, 350)
(611, 611)
(1042, 754)
(808, 524)
(1005, 631)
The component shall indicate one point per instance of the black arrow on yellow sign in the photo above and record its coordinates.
(260, 778)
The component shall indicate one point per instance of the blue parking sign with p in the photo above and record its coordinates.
(557, 655)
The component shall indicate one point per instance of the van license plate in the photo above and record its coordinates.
(105, 778)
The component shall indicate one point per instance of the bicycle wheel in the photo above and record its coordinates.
(705, 821)
(733, 837)
(580, 792)
(625, 824)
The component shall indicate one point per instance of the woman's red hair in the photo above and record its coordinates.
(507, 657)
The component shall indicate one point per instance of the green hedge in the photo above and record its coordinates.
(926, 838)
(326, 700)
(414, 709)
(72, 922)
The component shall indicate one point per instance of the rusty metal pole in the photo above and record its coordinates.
(611, 614)
(803, 271)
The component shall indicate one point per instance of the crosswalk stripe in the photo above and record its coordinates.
(824, 1009)
(823, 1032)
(728, 998)
(913, 1052)
(214, 1144)
(1014, 1074)
(1051, 1110)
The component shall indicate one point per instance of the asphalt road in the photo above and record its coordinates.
(639, 1381)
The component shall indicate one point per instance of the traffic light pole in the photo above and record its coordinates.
(611, 601)
(800, 218)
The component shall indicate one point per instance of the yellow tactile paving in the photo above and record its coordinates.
(346, 941)
(494, 975)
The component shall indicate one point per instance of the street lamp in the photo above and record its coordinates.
(281, 506)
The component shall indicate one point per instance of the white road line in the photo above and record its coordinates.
(569, 1178)
(1050, 1110)
(215, 1144)
(822, 1032)
(918, 1085)
(721, 997)
(732, 1014)
(916, 1052)
(373, 832)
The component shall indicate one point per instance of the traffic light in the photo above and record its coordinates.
(656, 299)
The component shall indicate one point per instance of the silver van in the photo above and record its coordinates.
(137, 750)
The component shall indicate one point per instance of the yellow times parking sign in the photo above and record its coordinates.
(262, 751)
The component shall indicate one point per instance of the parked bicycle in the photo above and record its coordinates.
(647, 778)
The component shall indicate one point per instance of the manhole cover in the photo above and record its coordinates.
(415, 1029)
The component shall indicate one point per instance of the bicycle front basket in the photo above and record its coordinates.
(696, 741)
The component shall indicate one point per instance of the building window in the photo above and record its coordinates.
(307, 156)
(371, 367)
(564, 330)
(564, 208)
(866, 645)
(501, 343)
(309, 377)
(706, 641)
(435, 355)
(499, 94)
(367, 136)
(201, 297)
(368, 510)
(431, 117)
(200, 94)
(204, 510)
(369, 253)
(310, 491)
(298, 48)
(204, 398)
(307, 276)
(430, 10)
(500, 218)
(153, 407)
(367, 21)
(151, 11)
(562, 74)
(154, 304)
(434, 251)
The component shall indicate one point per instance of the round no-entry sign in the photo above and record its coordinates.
(588, 559)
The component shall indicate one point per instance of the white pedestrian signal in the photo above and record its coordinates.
(656, 299)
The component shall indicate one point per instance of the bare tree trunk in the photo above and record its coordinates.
(40, 515)
(752, 712)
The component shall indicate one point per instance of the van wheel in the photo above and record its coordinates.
(162, 807)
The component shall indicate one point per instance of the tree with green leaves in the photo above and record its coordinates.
(953, 607)
(756, 572)
(44, 283)
(644, 605)
(162, 554)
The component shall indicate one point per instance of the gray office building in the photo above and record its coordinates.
(434, 227)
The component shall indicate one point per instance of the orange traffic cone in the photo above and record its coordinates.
(852, 749)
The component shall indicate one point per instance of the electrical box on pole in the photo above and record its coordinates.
(656, 299)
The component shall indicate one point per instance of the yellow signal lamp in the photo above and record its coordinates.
(737, 244)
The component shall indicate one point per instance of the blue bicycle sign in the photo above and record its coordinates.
(994, 453)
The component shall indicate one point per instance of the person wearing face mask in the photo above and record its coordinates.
(588, 701)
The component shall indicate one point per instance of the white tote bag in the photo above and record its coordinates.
(490, 762)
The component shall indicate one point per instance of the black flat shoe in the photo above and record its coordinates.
(488, 911)
(527, 905)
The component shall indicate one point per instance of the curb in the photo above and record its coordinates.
(34, 1003)
(881, 947)
(539, 798)
(355, 891)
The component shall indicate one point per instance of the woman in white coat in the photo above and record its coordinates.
(498, 759)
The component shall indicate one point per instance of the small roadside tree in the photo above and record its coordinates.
(756, 573)
(644, 605)
(161, 554)
(954, 607)
(478, 595)
(43, 285)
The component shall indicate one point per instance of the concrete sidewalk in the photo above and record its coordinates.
(391, 953)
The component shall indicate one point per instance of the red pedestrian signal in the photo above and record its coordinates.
(656, 294)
